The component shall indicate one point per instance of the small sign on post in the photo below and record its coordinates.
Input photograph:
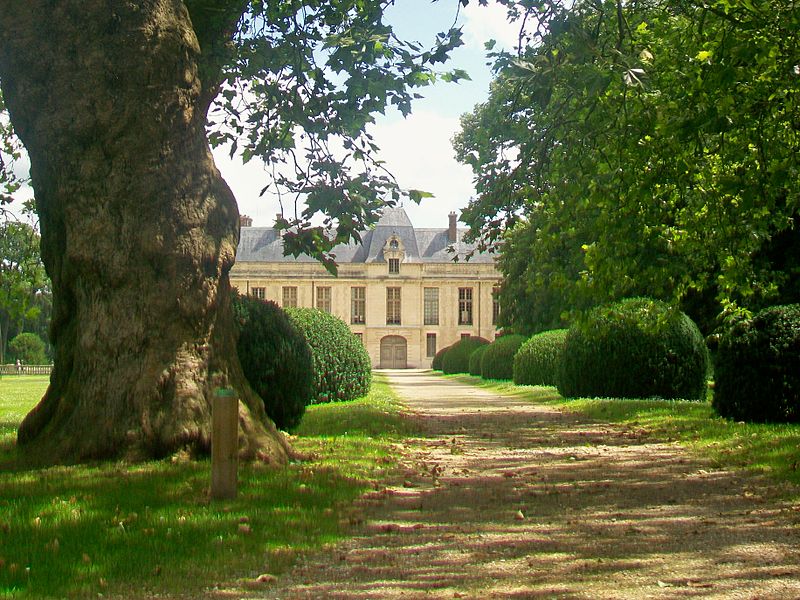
(224, 444)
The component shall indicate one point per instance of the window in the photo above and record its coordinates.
(258, 292)
(358, 305)
(465, 306)
(324, 299)
(495, 304)
(430, 309)
(360, 337)
(394, 245)
(465, 336)
(289, 296)
(393, 306)
(430, 346)
(394, 266)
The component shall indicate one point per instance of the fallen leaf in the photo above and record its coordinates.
(266, 578)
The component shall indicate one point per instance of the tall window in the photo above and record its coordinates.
(430, 345)
(358, 305)
(431, 306)
(394, 266)
(289, 296)
(393, 306)
(495, 304)
(465, 306)
(324, 299)
(258, 292)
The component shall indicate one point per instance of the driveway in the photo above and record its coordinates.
(505, 499)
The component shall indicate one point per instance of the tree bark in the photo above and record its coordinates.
(139, 230)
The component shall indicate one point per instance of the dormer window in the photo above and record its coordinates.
(393, 253)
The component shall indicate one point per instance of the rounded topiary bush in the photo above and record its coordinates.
(436, 363)
(498, 359)
(456, 359)
(757, 368)
(341, 365)
(537, 361)
(636, 348)
(475, 360)
(275, 358)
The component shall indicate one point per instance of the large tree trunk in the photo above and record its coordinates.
(138, 228)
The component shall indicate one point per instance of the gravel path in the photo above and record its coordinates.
(505, 499)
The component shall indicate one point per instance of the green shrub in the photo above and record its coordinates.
(29, 348)
(475, 360)
(456, 359)
(436, 363)
(537, 361)
(275, 359)
(757, 374)
(342, 368)
(498, 359)
(636, 348)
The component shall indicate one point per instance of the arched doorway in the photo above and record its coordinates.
(393, 352)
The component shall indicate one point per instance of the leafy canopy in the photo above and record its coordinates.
(641, 147)
(296, 85)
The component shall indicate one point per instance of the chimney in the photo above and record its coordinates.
(451, 232)
(245, 221)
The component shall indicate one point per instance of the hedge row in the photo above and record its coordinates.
(342, 369)
(537, 361)
(275, 358)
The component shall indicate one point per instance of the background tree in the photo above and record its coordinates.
(646, 147)
(23, 281)
(139, 231)
(28, 348)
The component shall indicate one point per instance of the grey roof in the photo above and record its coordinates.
(263, 244)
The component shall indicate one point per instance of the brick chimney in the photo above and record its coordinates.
(451, 232)
(245, 221)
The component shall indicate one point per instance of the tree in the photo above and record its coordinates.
(646, 147)
(23, 280)
(139, 231)
(28, 348)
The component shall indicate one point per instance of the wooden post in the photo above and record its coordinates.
(224, 444)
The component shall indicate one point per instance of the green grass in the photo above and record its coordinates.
(147, 529)
(772, 449)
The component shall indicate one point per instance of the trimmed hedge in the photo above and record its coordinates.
(757, 374)
(538, 360)
(475, 360)
(275, 358)
(436, 363)
(498, 359)
(636, 348)
(456, 359)
(342, 368)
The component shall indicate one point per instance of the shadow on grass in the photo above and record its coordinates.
(140, 530)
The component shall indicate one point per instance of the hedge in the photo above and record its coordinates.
(341, 366)
(436, 363)
(456, 359)
(757, 371)
(498, 359)
(475, 360)
(636, 348)
(537, 362)
(275, 358)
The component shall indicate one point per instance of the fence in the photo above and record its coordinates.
(25, 369)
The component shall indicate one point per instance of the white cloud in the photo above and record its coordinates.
(418, 152)
(484, 23)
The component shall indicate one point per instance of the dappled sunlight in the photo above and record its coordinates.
(505, 498)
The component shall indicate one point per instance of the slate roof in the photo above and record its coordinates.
(263, 244)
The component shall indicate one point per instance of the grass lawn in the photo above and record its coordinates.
(139, 530)
(774, 449)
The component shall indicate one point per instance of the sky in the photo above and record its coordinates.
(417, 149)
